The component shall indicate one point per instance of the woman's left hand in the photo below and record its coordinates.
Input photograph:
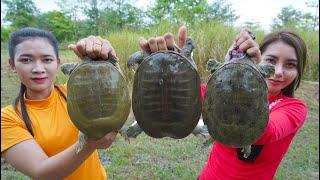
(93, 47)
(245, 42)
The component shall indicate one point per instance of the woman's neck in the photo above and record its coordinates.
(272, 94)
(38, 95)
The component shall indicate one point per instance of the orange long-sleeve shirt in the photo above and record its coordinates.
(53, 131)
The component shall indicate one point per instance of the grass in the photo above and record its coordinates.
(148, 158)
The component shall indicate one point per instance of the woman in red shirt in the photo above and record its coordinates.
(287, 52)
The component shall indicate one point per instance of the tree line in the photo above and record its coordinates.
(79, 18)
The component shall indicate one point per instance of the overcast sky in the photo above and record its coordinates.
(260, 11)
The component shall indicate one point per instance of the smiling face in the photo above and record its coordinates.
(284, 58)
(36, 63)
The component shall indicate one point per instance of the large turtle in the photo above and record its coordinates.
(166, 92)
(236, 105)
(98, 100)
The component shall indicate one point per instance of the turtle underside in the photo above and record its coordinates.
(166, 95)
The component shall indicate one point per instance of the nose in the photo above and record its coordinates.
(278, 71)
(38, 67)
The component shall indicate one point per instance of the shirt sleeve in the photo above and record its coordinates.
(203, 91)
(13, 129)
(285, 119)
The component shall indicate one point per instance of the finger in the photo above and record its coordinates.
(73, 47)
(105, 49)
(168, 37)
(113, 52)
(153, 44)
(81, 47)
(89, 46)
(243, 32)
(182, 35)
(249, 43)
(255, 54)
(161, 43)
(244, 37)
(97, 46)
(143, 43)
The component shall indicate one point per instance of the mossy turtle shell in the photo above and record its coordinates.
(98, 98)
(236, 106)
(166, 95)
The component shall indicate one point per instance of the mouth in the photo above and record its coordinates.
(39, 80)
(275, 82)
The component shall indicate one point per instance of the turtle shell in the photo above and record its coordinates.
(166, 95)
(236, 105)
(98, 99)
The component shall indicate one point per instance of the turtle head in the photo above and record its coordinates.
(188, 47)
(136, 58)
(67, 68)
(267, 70)
(213, 65)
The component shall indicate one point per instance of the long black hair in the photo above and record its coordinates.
(16, 38)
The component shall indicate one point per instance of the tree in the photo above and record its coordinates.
(21, 13)
(58, 23)
(292, 18)
(191, 11)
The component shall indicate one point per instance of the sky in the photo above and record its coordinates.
(257, 11)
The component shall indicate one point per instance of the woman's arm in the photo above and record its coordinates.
(30, 159)
(284, 121)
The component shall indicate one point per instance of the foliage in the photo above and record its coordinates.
(290, 17)
(21, 13)
(191, 11)
(58, 23)
(5, 34)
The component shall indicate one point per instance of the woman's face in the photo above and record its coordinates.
(36, 64)
(284, 58)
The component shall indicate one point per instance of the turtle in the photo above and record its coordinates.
(236, 105)
(98, 100)
(166, 92)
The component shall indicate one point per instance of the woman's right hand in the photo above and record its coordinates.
(103, 142)
(245, 42)
(165, 42)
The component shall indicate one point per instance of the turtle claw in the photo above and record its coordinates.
(246, 151)
(67, 68)
(82, 138)
(136, 58)
(267, 70)
(213, 65)
(134, 130)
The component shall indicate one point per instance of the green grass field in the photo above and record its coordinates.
(148, 158)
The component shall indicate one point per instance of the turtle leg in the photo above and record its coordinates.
(213, 65)
(246, 151)
(267, 70)
(136, 58)
(82, 138)
(134, 130)
(67, 68)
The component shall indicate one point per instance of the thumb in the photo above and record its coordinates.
(73, 47)
(182, 35)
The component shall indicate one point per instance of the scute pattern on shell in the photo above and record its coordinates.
(166, 95)
(236, 105)
(98, 98)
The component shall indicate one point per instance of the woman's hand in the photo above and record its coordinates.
(165, 42)
(245, 42)
(103, 142)
(93, 47)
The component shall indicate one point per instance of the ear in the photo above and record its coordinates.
(58, 61)
(11, 62)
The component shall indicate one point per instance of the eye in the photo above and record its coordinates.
(291, 65)
(25, 60)
(270, 60)
(48, 60)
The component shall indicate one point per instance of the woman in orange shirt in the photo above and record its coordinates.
(37, 135)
